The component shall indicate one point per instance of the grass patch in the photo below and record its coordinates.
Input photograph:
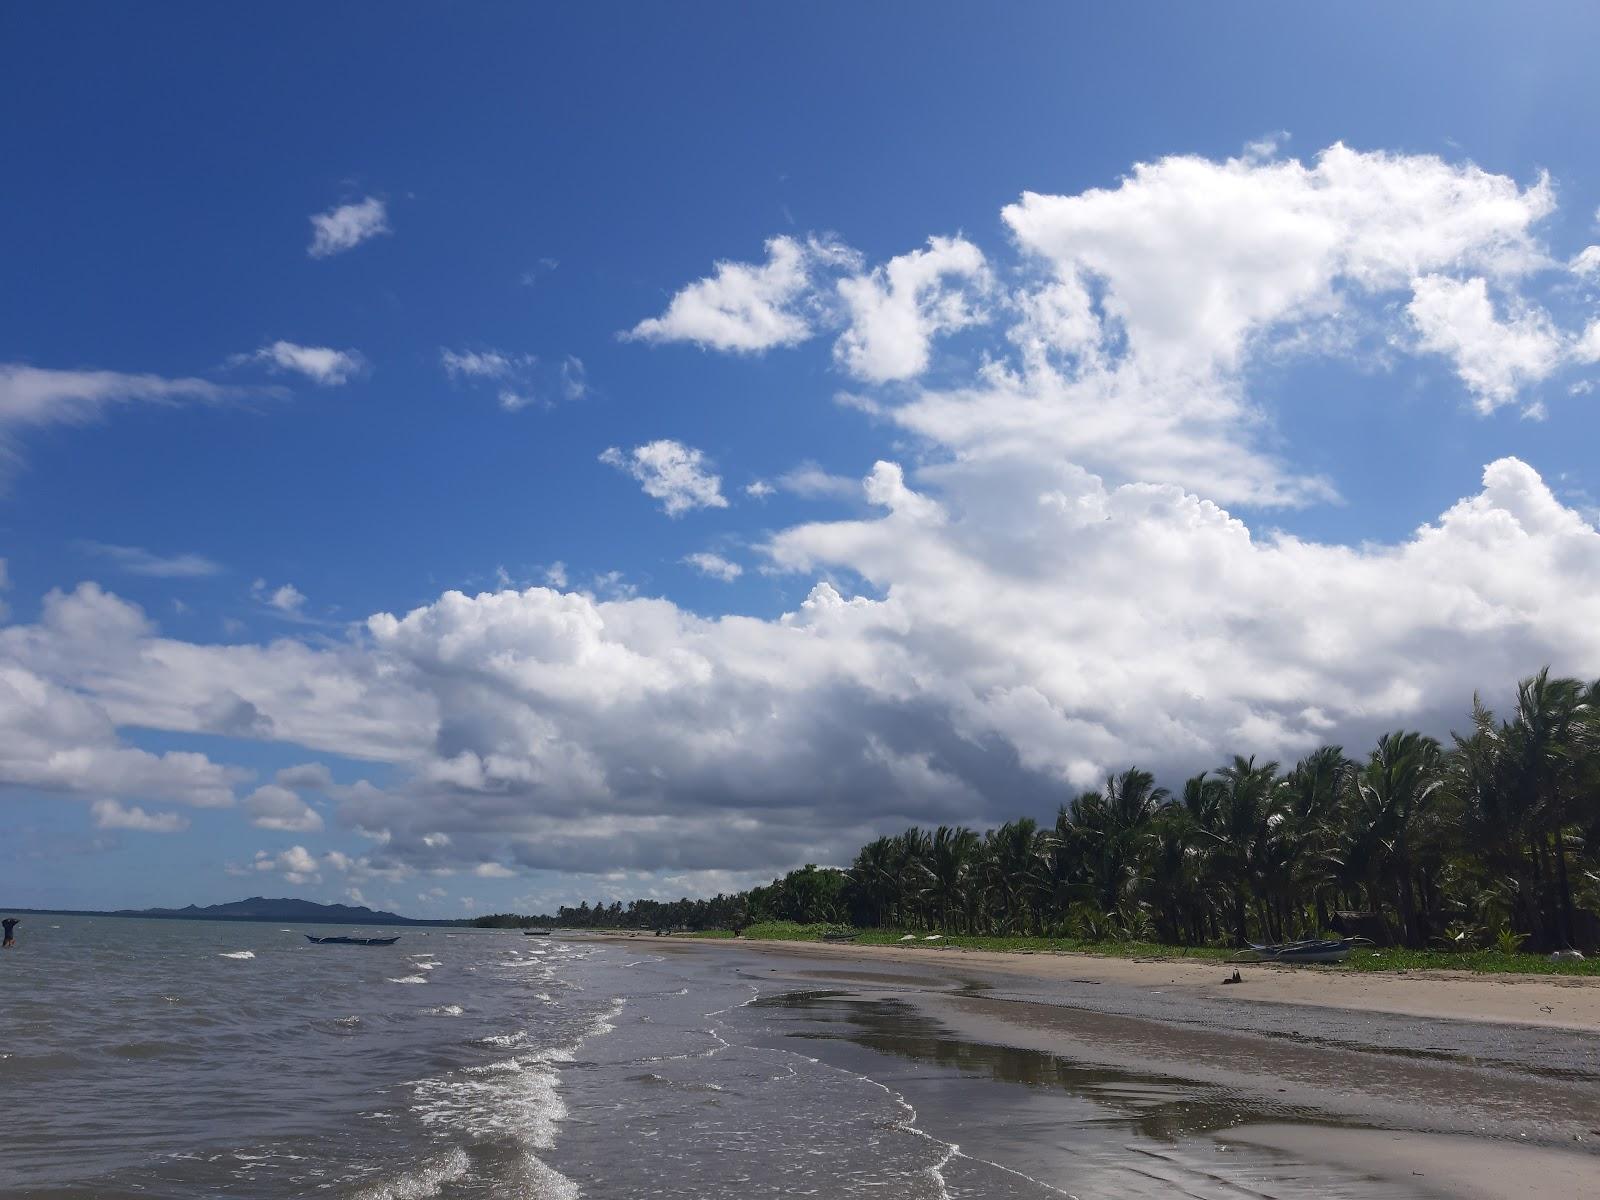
(788, 931)
(1384, 960)
(1483, 961)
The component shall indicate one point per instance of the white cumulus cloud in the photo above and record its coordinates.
(741, 306)
(714, 566)
(275, 807)
(1495, 358)
(108, 814)
(297, 865)
(320, 364)
(677, 475)
(481, 364)
(897, 309)
(347, 226)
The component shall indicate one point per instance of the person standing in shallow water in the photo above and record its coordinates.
(10, 924)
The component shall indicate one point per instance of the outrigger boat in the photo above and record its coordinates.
(353, 941)
(1307, 951)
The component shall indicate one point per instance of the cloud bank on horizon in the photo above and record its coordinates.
(1043, 583)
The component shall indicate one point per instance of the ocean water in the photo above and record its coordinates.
(178, 1059)
(192, 1058)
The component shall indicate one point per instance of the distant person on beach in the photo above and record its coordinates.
(10, 924)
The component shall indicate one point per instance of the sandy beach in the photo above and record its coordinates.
(1554, 1001)
(1440, 1083)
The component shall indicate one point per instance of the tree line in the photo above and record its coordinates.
(1493, 835)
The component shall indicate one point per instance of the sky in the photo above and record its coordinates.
(469, 459)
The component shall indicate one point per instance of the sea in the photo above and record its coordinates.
(187, 1058)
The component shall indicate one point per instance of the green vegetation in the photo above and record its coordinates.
(1387, 959)
(1483, 854)
(511, 921)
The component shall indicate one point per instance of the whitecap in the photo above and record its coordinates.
(506, 1066)
(503, 1039)
(517, 1101)
(446, 1010)
(410, 979)
(429, 1181)
(238, 954)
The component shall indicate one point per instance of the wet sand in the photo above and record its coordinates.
(1557, 1002)
(1437, 1084)
(1456, 1167)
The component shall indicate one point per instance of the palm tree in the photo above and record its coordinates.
(950, 860)
(1174, 877)
(1524, 785)
(1066, 874)
(1015, 870)
(1547, 739)
(1114, 824)
(872, 874)
(1313, 793)
(1246, 810)
(909, 867)
(1396, 791)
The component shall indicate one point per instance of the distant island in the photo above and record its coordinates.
(260, 908)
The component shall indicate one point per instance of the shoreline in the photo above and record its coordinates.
(1544, 1001)
(1442, 1086)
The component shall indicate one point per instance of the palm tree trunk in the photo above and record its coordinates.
(1565, 888)
(1408, 910)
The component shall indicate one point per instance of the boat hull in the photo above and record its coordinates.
(1312, 956)
(352, 941)
(1310, 951)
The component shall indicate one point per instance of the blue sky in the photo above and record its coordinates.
(204, 407)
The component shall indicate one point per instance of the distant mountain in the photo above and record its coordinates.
(260, 908)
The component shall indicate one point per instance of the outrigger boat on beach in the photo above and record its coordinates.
(353, 941)
(1311, 950)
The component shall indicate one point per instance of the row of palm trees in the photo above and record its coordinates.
(1495, 836)
(1498, 833)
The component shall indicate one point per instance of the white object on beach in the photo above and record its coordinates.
(910, 937)
(934, 937)
(1566, 956)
